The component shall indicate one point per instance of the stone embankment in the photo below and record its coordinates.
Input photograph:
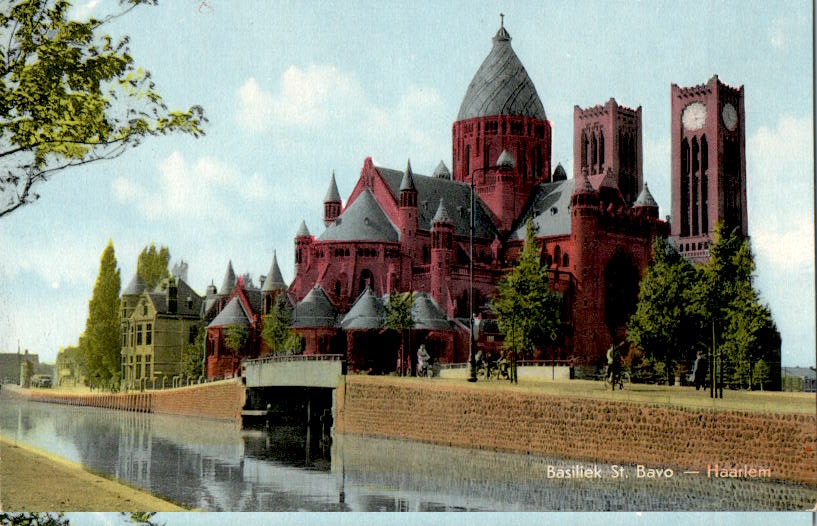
(580, 428)
(220, 400)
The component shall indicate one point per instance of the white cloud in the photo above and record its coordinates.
(65, 259)
(191, 190)
(336, 102)
(791, 249)
(83, 11)
(777, 33)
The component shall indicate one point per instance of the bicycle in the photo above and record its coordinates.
(610, 382)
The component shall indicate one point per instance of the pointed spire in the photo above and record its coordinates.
(332, 194)
(645, 198)
(408, 178)
(442, 172)
(505, 160)
(442, 214)
(302, 230)
(583, 185)
(502, 35)
(274, 279)
(229, 280)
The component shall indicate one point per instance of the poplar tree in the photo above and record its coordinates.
(101, 338)
(152, 265)
(277, 331)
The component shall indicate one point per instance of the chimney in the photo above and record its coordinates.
(172, 296)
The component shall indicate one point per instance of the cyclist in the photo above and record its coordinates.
(614, 365)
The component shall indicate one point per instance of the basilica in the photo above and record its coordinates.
(404, 231)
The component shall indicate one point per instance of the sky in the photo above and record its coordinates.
(295, 90)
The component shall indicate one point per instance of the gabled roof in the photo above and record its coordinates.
(645, 198)
(332, 194)
(228, 282)
(549, 208)
(136, 286)
(315, 310)
(363, 220)
(427, 315)
(158, 297)
(232, 314)
(368, 312)
(501, 86)
(457, 202)
(274, 279)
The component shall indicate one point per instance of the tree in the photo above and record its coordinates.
(398, 318)
(761, 373)
(71, 95)
(235, 336)
(102, 340)
(666, 325)
(33, 519)
(152, 265)
(527, 310)
(277, 331)
(193, 356)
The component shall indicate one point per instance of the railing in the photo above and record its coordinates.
(543, 363)
(297, 358)
(452, 365)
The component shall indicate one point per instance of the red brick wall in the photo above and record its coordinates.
(220, 400)
(581, 429)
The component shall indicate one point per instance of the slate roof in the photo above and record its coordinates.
(136, 286)
(274, 279)
(550, 209)
(158, 297)
(302, 230)
(232, 314)
(505, 160)
(457, 202)
(228, 282)
(427, 315)
(332, 194)
(407, 182)
(315, 310)
(442, 214)
(501, 86)
(441, 171)
(645, 198)
(363, 220)
(368, 312)
(559, 173)
(256, 299)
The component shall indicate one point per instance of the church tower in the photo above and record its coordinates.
(708, 165)
(501, 111)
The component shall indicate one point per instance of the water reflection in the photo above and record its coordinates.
(215, 466)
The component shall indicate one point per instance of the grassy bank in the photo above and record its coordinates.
(34, 480)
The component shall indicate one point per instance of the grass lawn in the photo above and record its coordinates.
(685, 397)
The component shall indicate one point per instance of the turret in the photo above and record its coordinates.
(645, 204)
(303, 243)
(408, 218)
(273, 284)
(442, 243)
(228, 283)
(332, 202)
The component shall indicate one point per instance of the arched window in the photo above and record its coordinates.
(684, 187)
(704, 185)
(601, 151)
(565, 260)
(584, 149)
(337, 289)
(557, 254)
(593, 153)
(695, 184)
(366, 279)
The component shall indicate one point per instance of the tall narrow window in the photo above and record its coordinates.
(593, 153)
(584, 149)
(148, 334)
(695, 184)
(139, 334)
(684, 187)
(601, 151)
(704, 185)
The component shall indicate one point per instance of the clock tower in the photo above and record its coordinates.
(708, 165)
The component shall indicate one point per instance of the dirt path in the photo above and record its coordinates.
(33, 480)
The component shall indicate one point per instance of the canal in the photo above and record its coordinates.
(216, 466)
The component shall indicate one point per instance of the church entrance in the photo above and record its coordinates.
(621, 281)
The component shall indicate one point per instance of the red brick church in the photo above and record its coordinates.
(403, 231)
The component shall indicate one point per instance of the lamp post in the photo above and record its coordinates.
(504, 162)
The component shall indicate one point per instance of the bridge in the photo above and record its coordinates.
(323, 370)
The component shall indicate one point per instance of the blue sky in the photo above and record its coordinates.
(296, 90)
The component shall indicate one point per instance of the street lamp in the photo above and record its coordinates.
(504, 162)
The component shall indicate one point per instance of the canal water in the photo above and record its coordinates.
(216, 466)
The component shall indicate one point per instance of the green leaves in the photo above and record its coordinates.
(235, 336)
(277, 331)
(398, 311)
(527, 310)
(70, 95)
(152, 265)
(101, 341)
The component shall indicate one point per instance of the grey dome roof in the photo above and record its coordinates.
(136, 286)
(427, 314)
(559, 173)
(315, 310)
(645, 198)
(501, 86)
(442, 214)
(274, 279)
(368, 312)
(232, 314)
(332, 194)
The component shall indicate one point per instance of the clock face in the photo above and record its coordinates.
(694, 116)
(730, 116)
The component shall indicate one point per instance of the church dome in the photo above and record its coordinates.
(501, 86)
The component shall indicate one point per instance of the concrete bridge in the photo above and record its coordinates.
(323, 371)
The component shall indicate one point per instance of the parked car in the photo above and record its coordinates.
(41, 380)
